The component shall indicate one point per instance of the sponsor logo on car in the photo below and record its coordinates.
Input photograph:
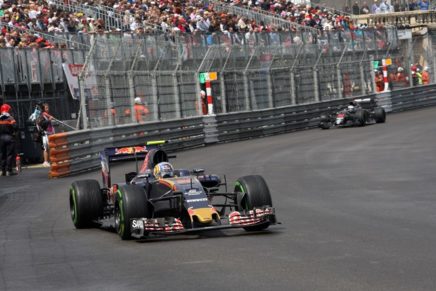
(193, 192)
(137, 224)
(130, 150)
(196, 200)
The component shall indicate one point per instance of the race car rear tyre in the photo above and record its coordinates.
(254, 192)
(86, 202)
(361, 117)
(379, 115)
(131, 202)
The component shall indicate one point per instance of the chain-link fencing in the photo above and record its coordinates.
(161, 76)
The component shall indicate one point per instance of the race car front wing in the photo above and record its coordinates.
(142, 227)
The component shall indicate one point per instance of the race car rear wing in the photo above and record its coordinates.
(125, 153)
(366, 103)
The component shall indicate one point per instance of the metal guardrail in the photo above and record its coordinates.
(415, 98)
(244, 125)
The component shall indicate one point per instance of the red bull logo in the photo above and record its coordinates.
(130, 150)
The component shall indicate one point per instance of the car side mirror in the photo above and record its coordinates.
(147, 174)
(129, 177)
(198, 171)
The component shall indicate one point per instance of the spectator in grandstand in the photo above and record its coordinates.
(413, 5)
(425, 76)
(356, 10)
(384, 7)
(374, 7)
(424, 5)
(365, 8)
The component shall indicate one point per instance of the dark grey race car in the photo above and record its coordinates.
(359, 112)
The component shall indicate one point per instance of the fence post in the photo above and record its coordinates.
(223, 93)
(410, 55)
(316, 84)
(270, 89)
(154, 96)
(132, 94)
(253, 100)
(293, 95)
(176, 96)
(371, 65)
(339, 77)
(434, 69)
(246, 91)
(108, 100)
(83, 104)
(41, 80)
(362, 80)
(198, 100)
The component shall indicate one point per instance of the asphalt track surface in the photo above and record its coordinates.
(358, 208)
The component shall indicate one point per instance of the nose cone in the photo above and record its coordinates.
(202, 215)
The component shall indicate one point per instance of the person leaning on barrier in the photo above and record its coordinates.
(419, 76)
(8, 128)
(141, 110)
(413, 69)
(425, 76)
(44, 124)
(401, 80)
(379, 82)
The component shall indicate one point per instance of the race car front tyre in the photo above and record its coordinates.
(253, 192)
(325, 122)
(86, 202)
(324, 125)
(131, 202)
(379, 115)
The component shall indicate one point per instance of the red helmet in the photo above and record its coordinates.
(5, 108)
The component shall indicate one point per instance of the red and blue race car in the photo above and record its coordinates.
(158, 199)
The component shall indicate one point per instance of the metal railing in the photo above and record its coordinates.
(398, 19)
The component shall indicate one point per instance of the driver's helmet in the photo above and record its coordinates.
(163, 170)
(350, 107)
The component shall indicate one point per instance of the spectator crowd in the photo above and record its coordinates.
(383, 6)
(25, 22)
